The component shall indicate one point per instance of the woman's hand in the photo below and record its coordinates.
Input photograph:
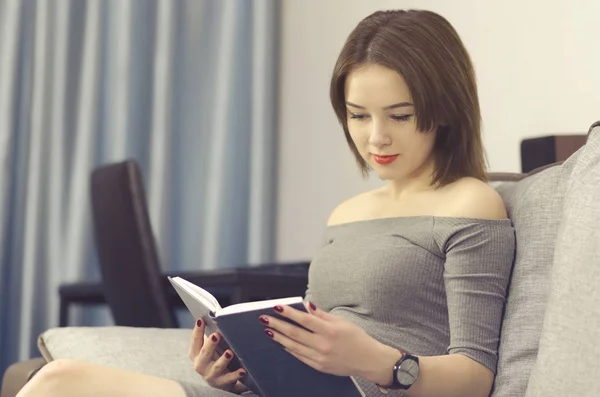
(212, 368)
(334, 346)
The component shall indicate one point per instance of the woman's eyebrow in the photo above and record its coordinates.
(394, 106)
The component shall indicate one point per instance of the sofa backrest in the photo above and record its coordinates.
(568, 363)
(534, 205)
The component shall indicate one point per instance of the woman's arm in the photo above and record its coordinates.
(476, 272)
(336, 346)
(444, 376)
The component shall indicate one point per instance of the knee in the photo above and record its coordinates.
(62, 369)
(54, 379)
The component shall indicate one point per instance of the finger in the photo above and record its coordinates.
(290, 344)
(239, 387)
(315, 311)
(197, 339)
(231, 377)
(211, 343)
(291, 331)
(219, 366)
(307, 320)
(203, 361)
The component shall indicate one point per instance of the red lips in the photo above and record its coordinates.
(380, 159)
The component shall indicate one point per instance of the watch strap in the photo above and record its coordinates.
(384, 389)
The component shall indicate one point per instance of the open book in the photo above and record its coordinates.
(271, 371)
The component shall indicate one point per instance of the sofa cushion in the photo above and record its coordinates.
(568, 363)
(534, 205)
(158, 352)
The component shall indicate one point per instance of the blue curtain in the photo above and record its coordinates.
(185, 87)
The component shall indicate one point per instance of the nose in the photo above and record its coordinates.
(379, 136)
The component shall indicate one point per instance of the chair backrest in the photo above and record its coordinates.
(541, 151)
(129, 263)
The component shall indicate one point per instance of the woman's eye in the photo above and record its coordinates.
(404, 117)
(357, 116)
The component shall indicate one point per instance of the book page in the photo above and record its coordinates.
(360, 390)
(198, 305)
(201, 294)
(251, 306)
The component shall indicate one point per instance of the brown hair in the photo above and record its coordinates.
(427, 52)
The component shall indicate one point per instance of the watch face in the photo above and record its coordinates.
(408, 372)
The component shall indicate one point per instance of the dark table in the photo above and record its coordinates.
(229, 286)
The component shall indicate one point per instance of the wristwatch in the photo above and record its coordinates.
(405, 373)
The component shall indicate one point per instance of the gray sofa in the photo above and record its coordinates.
(550, 339)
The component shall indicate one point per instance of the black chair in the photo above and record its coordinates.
(129, 264)
(541, 151)
(134, 287)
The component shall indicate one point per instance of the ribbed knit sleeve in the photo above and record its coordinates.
(479, 258)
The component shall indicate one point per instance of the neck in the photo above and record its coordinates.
(419, 181)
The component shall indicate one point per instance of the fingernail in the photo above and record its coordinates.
(227, 355)
(214, 338)
(263, 320)
(278, 309)
(242, 374)
(312, 306)
(269, 333)
(199, 323)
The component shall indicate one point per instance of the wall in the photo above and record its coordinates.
(538, 69)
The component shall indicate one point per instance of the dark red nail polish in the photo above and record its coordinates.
(242, 374)
(227, 355)
(269, 333)
(214, 338)
(312, 306)
(199, 323)
(278, 309)
(263, 320)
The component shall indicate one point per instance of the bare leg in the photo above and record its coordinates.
(68, 378)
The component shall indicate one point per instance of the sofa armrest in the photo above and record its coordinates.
(153, 351)
(18, 374)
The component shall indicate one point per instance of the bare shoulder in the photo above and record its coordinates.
(472, 198)
(354, 209)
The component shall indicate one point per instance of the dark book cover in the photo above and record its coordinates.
(276, 372)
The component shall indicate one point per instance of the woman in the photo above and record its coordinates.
(407, 291)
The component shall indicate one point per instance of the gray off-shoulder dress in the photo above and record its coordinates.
(424, 284)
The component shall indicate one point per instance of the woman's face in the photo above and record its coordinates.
(381, 121)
